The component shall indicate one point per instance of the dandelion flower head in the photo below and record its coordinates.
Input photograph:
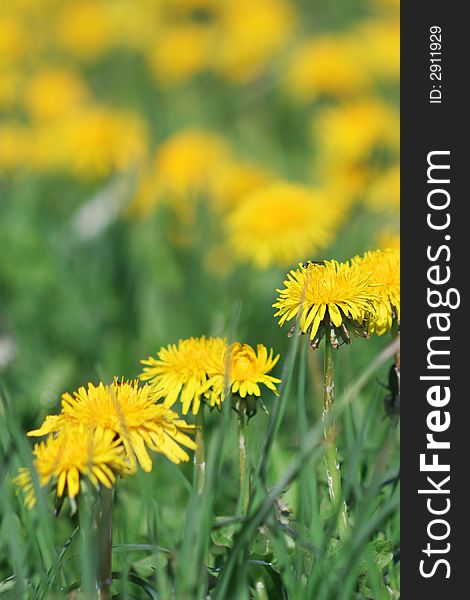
(330, 299)
(77, 451)
(242, 369)
(384, 268)
(280, 224)
(180, 370)
(129, 411)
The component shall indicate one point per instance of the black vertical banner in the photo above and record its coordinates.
(435, 355)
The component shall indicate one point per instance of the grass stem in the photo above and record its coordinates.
(331, 456)
(242, 459)
(102, 528)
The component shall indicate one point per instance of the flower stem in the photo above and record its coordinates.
(102, 531)
(242, 458)
(200, 453)
(332, 465)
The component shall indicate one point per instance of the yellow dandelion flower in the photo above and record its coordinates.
(130, 412)
(350, 132)
(242, 370)
(52, 92)
(273, 224)
(77, 451)
(180, 370)
(384, 268)
(330, 298)
(325, 65)
(91, 142)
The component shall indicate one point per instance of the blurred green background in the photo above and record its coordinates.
(155, 161)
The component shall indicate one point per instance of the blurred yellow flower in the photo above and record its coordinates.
(53, 92)
(378, 48)
(384, 268)
(181, 370)
(180, 52)
(384, 190)
(330, 299)
(280, 224)
(77, 451)
(186, 162)
(84, 28)
(349, 133)
(325, 65)
(91, 142)
(130, 412)
(250, 34)
(242, 370)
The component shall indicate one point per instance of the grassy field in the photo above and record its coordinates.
(163, 166)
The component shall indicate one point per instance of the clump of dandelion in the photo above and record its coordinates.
(273, 224)
(241, 371)
(180, 371)
(202, 370)
(131, 414)
(328, 300)
(102, 432)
